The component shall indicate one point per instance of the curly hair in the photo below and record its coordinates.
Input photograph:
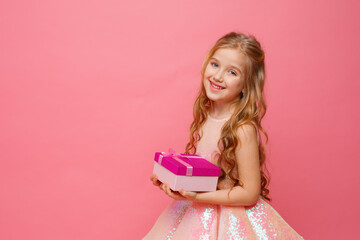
(250, 107)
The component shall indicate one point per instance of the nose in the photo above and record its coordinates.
(218, 76)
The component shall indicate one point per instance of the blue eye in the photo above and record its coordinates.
(233, 73)
(214, 64)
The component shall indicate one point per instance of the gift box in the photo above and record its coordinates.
(186, 171)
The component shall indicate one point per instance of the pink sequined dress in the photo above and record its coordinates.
(187, 220)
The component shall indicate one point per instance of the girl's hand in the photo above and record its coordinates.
(180, 195)
(155, 180)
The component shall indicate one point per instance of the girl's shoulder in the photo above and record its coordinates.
(248, 131)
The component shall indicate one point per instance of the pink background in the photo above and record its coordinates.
(89, 90)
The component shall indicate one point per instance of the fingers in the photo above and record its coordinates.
(153, 177)
(165, 187)
(183, 195)
(155, 180)
(188, 194)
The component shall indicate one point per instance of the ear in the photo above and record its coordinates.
(242, 94)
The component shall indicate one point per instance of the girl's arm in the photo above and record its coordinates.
(247, 157)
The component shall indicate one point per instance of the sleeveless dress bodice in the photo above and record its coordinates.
(207, 146)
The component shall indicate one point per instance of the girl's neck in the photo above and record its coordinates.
(221, 111)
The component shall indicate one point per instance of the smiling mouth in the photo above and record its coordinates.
(216, 86)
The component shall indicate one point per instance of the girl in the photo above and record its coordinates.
(227, 120)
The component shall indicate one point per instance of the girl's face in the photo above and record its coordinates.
(224, 75)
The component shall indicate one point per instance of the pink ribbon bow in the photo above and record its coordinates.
(171, 153)
(176, 155)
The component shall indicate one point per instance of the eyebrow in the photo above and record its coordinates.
(238, 68)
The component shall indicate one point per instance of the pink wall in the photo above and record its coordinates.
(89, 90)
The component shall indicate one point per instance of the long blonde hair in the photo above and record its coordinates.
(250, 108)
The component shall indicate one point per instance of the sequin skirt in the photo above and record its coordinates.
(186, 220)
